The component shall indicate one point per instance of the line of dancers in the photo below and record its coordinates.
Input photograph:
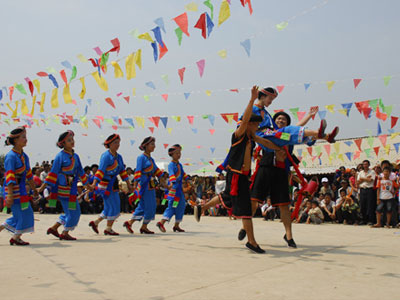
(240, 197)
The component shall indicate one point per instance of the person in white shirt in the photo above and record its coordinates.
(365, 180)
(328, 208)
(220, 184)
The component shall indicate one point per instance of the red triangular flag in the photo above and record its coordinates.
(280, 88)
(358, 143)
(126, 98)
(151, 129)
(64, 77)
(328, 149)
(356, 82)
(380, 116)
(120, 121)
(313, 117)
(356, 155)
(201, 24)
(165, 97)
(309, 149)
(181, 72)
(182, 22)
(300, 115)
(211, 162)
(116, 44)
(367, 112)
(97, 122)
(393, 121)
(100, 118)
(155, 120)
(165, 146)
(163, 50)
(376, 149)
(30, 84)
(115, 127)
(236, 116)
(361, 105)
(234, 90)
(383, 139)
(191, 119)
(42, 74)
(109, 101)
(211, 131)
(248, 2)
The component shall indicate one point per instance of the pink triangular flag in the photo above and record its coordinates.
(165, 97)
(383, 139)
(97, 122)
(309, 149)
(300, 115)
(115, 127)
(155, 120)
(328, 149)
(181, 72)
(356, 155)
(126, 99)
(280, 88)
(211, 131)
(200, 65)
(356, 82)
(100, 118)
(191, 119)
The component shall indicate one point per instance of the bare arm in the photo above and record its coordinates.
(247, 113)
(266, 143)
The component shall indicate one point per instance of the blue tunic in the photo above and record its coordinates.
(18, 171)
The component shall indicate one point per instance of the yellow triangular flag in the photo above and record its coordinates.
(36, 83)
(330, 108)
(36, 122)
(83, 91)
(24, 107)
(230, 118)
(14, 111)
(169, 130)
(330, 84)
(138, 58)
(336, 146)
(222, 53)
(224, 12)
(140, 121)
(343, 111)
(208, 93)
(387, 149)
(191, 6)
(67, 95)
(117, 70)
(130, 66)
(145, 36)
(42, 102)
(340, 156)
(393, 135)
(101, 81)
(76, 112)
(82, 58)
(133, 92)
(54, 98)
(85, 124)
(33, 105)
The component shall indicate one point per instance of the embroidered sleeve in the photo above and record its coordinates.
(29, 175)
(51, 178)
(171, 171)
(139, 167)
(102, 168)
(123, 174)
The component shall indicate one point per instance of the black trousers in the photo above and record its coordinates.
(368, 205)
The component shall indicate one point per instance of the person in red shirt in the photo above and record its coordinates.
(36, 176)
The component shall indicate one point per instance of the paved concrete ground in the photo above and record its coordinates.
(206, 262)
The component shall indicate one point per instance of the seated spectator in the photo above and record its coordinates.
(268, 211)
(36, 176)
(386, 189)
(349, 209)
(303, 215)
(328, 208)
(315, 214)
(345, 186)
(325, 189)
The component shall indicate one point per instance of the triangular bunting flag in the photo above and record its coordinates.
(165, 97)
(393, 121)
(356, 82)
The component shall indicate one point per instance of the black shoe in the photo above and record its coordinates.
(290, 243)
(242, 234)
(197, 212)
(254, 249)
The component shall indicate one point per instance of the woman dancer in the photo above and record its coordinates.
(18, 171)
(111, 165)
(146, 169)
(63, 180)
(175, 196)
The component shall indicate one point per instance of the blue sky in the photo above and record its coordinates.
(340, 40)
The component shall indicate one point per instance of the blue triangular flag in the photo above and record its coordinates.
(1, 94)
(52, 78)
(212, 149)
(132, 142)
(379, 132)
(246, 45)
(42, 116)
(157, 36)
(322, 114)
(89, 101)
(155, 51)
(210, 24)
(164, 121)
(160, 22)
(348, 143)
(186, 95)
(211, 118)
(348, 154)
(66, 64)
(194, 130)
(306, 86)
(396, 146)
(86, 110)
(98, 66)
(299, 152)
(5, 88)
(130, 121)
(150, 84)
(347, 106)
(115, 119)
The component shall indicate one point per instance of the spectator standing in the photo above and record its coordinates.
(365, 180)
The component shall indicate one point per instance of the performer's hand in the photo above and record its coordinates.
(89, 188)
(254, 93)
(313, 111)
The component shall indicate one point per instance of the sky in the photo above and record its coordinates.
(339, 40)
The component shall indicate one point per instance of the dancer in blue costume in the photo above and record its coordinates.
(106, 183)
(144, 193)
(63, 179)
(18, 173)
(175, 197)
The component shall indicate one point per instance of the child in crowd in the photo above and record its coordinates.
(315, 214)
(328, 208)
(349, 208)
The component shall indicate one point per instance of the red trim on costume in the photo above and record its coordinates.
(10, 177)
(124, 175)
(158, 173)
(29, 174)
(51, 178)
(99, 175)
(84, 179)
(112, 140)
(280, 164)
(255, 199)
(234, 184)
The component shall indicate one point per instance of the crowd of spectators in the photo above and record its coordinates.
(357, 196)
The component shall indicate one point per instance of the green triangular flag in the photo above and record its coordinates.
(386, 80)
(368, 152)
(178, 33)
(318, 150)
(104, 59)
(109, 121)
(210, 6)
(5, 209)
(294, 112)
(304, 163)
(205, 116)
(73, 75)
(373, 104)
(388, 110)
(370, 141)
(281, 26)
(165, 78)
(20, 88)
(381, 106)
(146, 98)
